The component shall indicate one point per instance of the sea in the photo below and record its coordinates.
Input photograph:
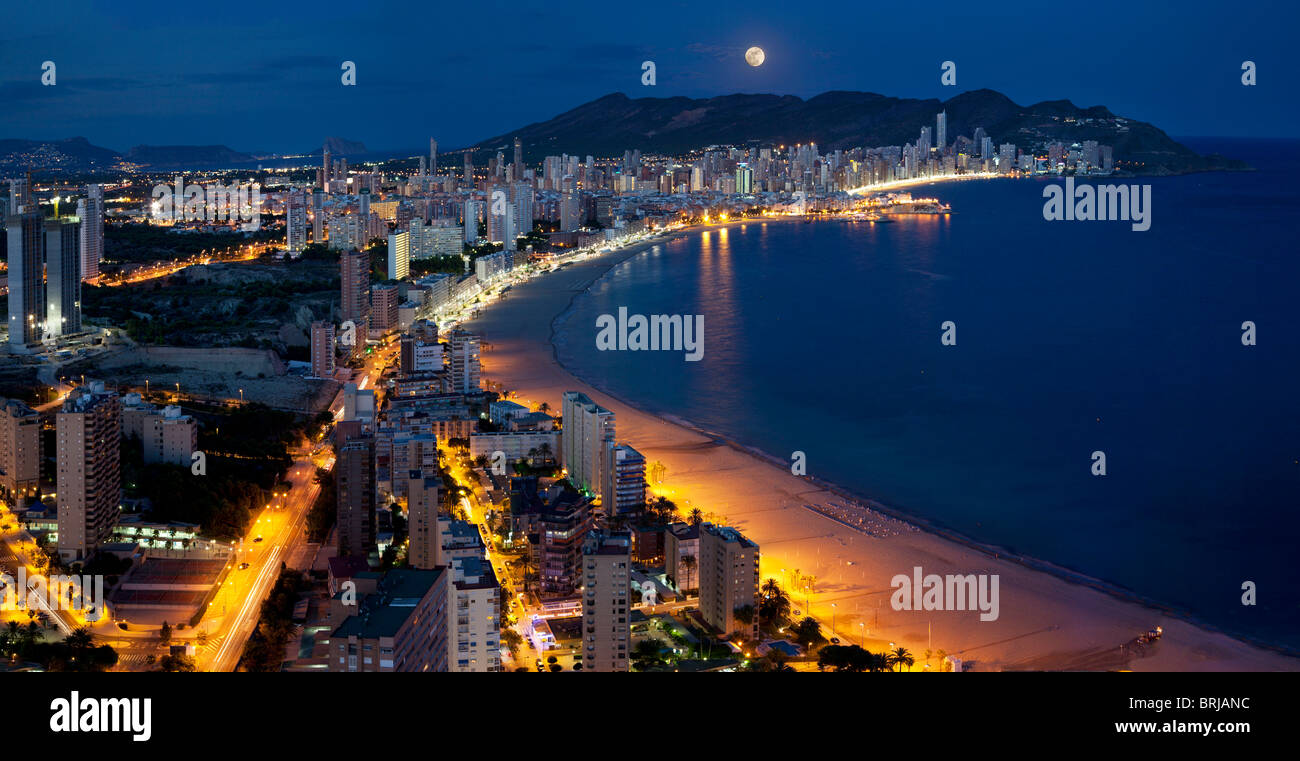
(1068, 340)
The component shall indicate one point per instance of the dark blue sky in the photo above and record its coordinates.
(265, 76)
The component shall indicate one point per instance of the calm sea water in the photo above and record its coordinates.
(1072, 337)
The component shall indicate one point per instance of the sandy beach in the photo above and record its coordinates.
(1044, 622)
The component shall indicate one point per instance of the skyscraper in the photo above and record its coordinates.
(469, 169)
(322, 350)
(519, 160)
(587, 442)
(473, 625)
(423, 498)
(295, 222)
(325, 168)
(90, 210)
(399, 255)
(728, 568)
(88, 432)
(355, 474)
(62, 276)
(26, 234)
(355, 275)
(465, 364)
(21, 443)
(606, 607)
(433, 156)
(627, 481)
(317, 215)
(941, 129)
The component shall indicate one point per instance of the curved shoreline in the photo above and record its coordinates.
(1195, 652)
(930, 526)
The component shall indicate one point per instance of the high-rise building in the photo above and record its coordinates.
(519, 160)
(469, 169)
(473, 617)
(384, 299)
(322, 349)
(295, 222)
(561, 530)
(400, 626)
(399, 255)
(606, 603)
(88, 433)
(433, 156)
(464, 362)
(355, 277)
(423, 494)
(26, 233)
(744, 179)
(355, 474)
(62, 276)
(473, 212)
(570, 212)
(682, 556)
(728, 566)
(317, 215)
(170, 437)
(941, 130)
(627, 480)
(21, 445)
(90, 210)
(19, 196)
(587, 441)
(326, 168)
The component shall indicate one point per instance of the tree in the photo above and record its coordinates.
(773, 604)
(175, 663)
(696, 517)
(647, 654)
(901, 657)
(845, 658)
(745, 615)
(775, 660)
(689, 564)
(80, 639)
(807, 632)
(165, 633)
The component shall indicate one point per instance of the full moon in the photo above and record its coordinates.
(754, 56)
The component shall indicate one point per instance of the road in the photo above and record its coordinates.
(235, 610)
(16, 546)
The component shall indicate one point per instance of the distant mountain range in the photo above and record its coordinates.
(608, 126)
(841, 119)
(77, 154)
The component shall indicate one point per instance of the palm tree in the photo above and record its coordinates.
(745, 615)
(79, 639)
(696, 517)
(900, 657)
(774, 605)
(879, 662)
(943, 660)
(689, 564)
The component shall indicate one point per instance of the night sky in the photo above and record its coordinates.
(265, 76)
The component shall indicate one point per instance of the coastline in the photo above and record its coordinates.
(1052, 617)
